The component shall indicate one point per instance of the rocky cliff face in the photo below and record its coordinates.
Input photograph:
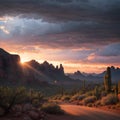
(32, 72)
(44, 72)
(10, 67)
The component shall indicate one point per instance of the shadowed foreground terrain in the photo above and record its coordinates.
(75, 112)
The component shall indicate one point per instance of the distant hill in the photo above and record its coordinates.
(88, 77)
(115, 73)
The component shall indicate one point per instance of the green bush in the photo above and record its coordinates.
(89, 99)
(52, 108)
(109, 100)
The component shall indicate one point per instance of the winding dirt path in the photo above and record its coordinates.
(75, 112)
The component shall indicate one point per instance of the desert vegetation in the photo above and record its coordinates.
(22, 101)
(26, 103)
(52, 108)
(105, 94)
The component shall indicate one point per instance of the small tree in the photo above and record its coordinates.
(107, 80)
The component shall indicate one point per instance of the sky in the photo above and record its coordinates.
(81, 34)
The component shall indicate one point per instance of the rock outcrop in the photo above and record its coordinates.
(10, 67)
(44, 71)
(31, 73)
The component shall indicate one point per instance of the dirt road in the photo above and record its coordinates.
(86, 113)
(75, 112)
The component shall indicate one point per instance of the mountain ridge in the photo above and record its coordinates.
(115, 73)
(35, 73)
(31, 72)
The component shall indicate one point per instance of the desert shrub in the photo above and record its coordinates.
(81, 97)
(98, 103)
(10, 96)
(118, 105)
(89, 99)
(90, 105)
(113, 107)
(75, 97)
(35, 98)
(57, 97)
(109, 100)
(78, 97)
(103, 94)
(90, 93)
(81, 92)
(66, 98)
(52, 108)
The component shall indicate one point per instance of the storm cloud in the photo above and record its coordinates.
(64, 10)
(88, 31)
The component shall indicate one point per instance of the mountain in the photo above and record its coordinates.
(29, 73)
(10, 68)
(43, 74)
(88, 77)
(115, 74)
(44, 71)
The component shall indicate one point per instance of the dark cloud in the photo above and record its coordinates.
(65, 25)
(112, 50)
(60, 35)
(98, 20)
(56, 10)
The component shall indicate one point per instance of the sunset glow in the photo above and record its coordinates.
(88, 43)
(60, 59)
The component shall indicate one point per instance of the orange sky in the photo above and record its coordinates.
(69, 66)
(78, 45)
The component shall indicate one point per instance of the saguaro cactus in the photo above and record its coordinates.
(84, 85)
(96, 92)
(107, 80)
(119, 87)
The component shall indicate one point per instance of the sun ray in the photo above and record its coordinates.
(36, 71)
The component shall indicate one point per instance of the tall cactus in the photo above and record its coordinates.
(84, 85)
(116, 89)
(96, 92)
(119, 87)
(107, 80)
